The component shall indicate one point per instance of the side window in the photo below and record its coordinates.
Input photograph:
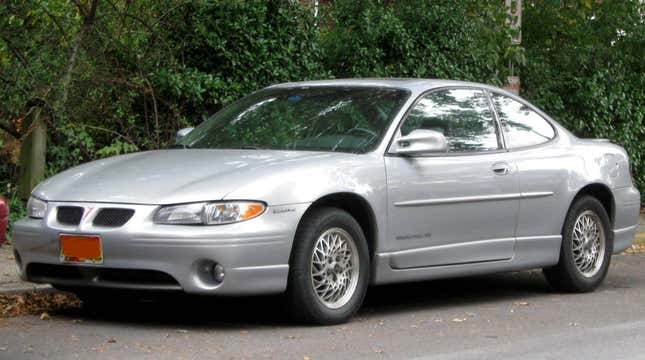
(522, 126)
(463, 116)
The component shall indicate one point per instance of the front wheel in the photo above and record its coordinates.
(329, 268)
(587, 245)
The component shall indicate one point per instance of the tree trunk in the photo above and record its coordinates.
(33, 153)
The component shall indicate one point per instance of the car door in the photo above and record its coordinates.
(455, 207)
(544, 171)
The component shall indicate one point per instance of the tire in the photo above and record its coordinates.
(574, 271)
(309, 271)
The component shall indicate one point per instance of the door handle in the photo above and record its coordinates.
(501, 168)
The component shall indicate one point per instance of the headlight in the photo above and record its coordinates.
(211, 213)
(36, 208)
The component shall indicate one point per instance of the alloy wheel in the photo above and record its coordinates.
(588, 243)
(335, 267)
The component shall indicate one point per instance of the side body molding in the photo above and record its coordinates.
(468, 199)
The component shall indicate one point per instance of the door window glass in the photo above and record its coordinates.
(463, 116)
(522, 126)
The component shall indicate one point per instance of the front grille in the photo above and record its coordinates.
(85, 275)
(113, 217)
(69, 215)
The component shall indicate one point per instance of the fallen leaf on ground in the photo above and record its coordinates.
(36, 303)
(521, 303)
(111, 341)
(44, 316)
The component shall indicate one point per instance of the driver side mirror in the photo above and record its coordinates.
(421, 141)
(181, 134)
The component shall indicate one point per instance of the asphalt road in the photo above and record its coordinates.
(492, 317)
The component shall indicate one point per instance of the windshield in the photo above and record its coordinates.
(348, 119)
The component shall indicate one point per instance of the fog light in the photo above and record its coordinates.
(218, 273)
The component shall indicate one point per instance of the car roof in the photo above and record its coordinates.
(411, 84)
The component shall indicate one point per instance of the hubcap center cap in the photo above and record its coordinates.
(337, 268)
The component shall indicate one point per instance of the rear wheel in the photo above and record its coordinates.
(587, 246)
(329, 268)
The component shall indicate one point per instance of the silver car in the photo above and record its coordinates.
(319, 189)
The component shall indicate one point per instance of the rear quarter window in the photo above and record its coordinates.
(522, 126)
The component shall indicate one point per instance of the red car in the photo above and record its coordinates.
(4, 218)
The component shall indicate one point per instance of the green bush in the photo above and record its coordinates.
(231, 48)
(585, 67)
(429, 39)
(146, 68)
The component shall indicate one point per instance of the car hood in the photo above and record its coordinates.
(169, 176)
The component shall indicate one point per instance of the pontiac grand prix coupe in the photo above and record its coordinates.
(319, 189)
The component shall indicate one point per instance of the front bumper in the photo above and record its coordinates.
(254, 253)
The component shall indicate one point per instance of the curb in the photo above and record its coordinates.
(21, 288)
